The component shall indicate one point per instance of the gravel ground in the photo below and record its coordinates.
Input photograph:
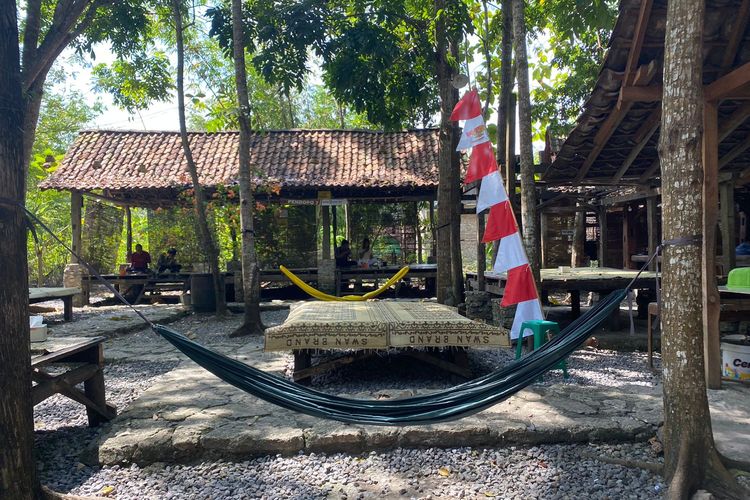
(560, 471)
(549, 471)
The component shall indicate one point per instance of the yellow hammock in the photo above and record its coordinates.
(314, 292)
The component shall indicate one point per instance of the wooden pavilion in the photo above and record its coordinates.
(324, 168)
(610, 164)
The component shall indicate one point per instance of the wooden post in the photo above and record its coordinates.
(433, 252)
(602, 253)
(711, 304)
(481, 255)
(419, 234)
(334, 211)
(728, 236)
(626, 223)
(543, 234)
(653, 230)
(326, 221)
(348, 221)
(579, 237)
(76, 204)
(128, 233)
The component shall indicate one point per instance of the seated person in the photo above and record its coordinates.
(168, 262)
(365, 254)
(139, 260)
(343, 255)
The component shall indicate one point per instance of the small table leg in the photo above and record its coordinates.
(94, 386)
(68, 308)
(302, 360)
(575, 303)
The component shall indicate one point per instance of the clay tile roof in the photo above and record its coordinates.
(296, 160)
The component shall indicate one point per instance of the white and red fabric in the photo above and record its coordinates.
(520, 289)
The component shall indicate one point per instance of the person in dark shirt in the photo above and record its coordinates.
(343, 255)
(168, 262)
(139, 260)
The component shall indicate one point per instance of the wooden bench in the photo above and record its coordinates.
(37, 295)
(88, 357)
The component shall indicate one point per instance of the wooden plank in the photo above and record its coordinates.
(327, 366)
(641, 138)
(735, 37)
(710, 208)
(644, 14)
(481, 253)
(636, 196)
(602, 137)
(735, 152)
(66, 352)
(728, 236)
(650, 171)
(727, 84)
(734, 120)
(626, 241)
(646, 93)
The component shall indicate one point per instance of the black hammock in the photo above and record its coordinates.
(450, 404)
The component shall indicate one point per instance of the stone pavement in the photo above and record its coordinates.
(189, 415)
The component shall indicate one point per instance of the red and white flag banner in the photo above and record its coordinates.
(520, 289)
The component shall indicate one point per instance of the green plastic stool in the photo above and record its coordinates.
(543, 331)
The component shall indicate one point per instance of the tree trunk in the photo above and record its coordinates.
(199, 201)
(18, 477)
(506, 79)
(252, 323)
(579, 238)
(691, 461)
(529, 220)
(448, 100)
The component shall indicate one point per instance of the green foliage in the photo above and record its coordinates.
(377, 56)
(135, 84)
(62, 114)
(567, 65)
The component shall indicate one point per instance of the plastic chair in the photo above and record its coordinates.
(543, 331)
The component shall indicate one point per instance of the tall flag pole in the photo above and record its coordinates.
(520, 289)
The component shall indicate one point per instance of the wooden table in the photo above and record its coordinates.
(427, 331)
(171, 282)
(574, 280)
(427, 272)
(88, 357)
(37, 295)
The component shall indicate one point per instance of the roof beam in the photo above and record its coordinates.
(735, 152)
(728, 84)
(734, 120)
(614, 199)
(641, 77)
(650, 171)
(638, 35)
(647, 93)
(735, 37)
(641, 138)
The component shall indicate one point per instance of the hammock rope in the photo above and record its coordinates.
(449, 404)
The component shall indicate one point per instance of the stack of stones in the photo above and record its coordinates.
(478, 306)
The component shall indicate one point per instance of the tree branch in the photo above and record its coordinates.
(31, 31)
(59, 36)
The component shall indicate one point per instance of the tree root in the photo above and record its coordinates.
(633, 464)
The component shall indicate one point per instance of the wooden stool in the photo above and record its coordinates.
(653, 310)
